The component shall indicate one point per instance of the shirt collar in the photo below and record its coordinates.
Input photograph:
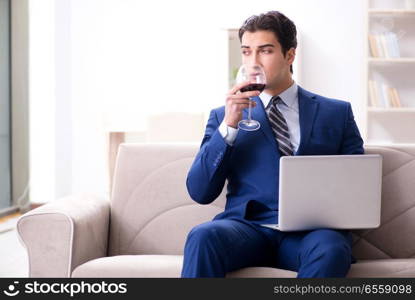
(289, 96)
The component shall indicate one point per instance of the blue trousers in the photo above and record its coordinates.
(216, 247)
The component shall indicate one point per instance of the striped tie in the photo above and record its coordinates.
(280, 128)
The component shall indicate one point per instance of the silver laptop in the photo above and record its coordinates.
(333, 191)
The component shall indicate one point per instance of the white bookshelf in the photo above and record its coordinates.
(385, 121)
(391, 11)
(375, 60)
(391, 110)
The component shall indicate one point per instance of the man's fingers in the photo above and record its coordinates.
(237, 87)
(245, 95)
(238, 104)
(239, 107)
(240, 100)
(253, 103)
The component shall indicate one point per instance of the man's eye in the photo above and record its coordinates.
(245, 52)
(266, 51)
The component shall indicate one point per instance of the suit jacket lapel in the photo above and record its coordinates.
(307, 106)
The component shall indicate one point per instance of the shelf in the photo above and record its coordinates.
(392, 109)
(391, 11)
(383, 143)
(391, 60)
(375, 143)
(390, 125)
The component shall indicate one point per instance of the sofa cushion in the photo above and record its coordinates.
(394, 237)
(398, 267)
(131, 266)
(157, 266)
(170, 266)
(365, 268)
(150, 199)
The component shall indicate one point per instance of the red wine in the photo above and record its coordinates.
(253, 87)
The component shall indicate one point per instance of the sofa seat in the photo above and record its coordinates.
(169, 266)
(131, 266)
(363, 268)
(166, 266)
(394, 267)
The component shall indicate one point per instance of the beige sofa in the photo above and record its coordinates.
(141, 232)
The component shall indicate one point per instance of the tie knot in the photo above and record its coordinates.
(276, 99)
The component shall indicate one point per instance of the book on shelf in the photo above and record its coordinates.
(384, 45)
(373, 97)
(396, 97)
(381, 95)
(385, 97)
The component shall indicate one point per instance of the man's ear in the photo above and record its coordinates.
(290, 55)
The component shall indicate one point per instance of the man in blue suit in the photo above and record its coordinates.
(293, 122)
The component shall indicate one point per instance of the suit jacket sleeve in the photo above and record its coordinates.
(352, 141)
(207, 175)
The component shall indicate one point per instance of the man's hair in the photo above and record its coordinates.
(283, 28)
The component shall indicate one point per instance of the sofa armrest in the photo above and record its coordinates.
(61, 235)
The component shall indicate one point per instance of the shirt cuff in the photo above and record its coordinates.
(228, 133)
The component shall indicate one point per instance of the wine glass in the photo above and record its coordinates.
(256, 76)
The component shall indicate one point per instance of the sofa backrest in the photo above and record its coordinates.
(152, 213)
(395, 238)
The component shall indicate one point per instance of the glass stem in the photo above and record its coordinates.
(249, 110)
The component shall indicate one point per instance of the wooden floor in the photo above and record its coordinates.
(13, 257)
(8, 217)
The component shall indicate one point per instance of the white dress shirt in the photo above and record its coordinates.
(289, 109)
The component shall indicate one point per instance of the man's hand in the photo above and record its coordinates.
(236, 102)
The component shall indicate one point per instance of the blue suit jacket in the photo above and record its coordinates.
(251, 165)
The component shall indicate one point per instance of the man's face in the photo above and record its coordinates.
(262, 48)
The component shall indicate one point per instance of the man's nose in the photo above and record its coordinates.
(254, 59)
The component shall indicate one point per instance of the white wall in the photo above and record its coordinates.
(42, 102)
(117, 61)
(332, 42)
